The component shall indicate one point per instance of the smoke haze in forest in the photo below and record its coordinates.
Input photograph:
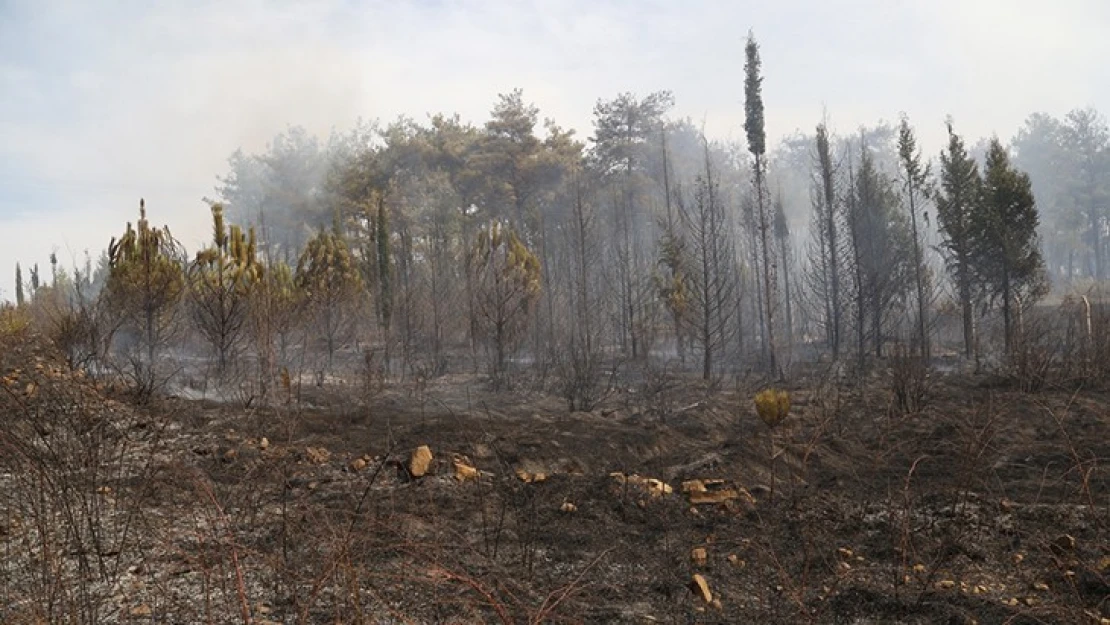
(101, 105)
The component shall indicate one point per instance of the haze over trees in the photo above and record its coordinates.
(518, 246)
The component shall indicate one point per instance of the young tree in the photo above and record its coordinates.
(330, 282)
(958, 200)
(508, 285)
(1007, 255)
(145, 284)
(915, 177)
(276, 307)
(782, 238)
(220, 281)
(19, 297)
(757, 145)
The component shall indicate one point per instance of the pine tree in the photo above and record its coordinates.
(508, 286)
(330, 282)
(958, 200)
(881, 236)
(1007, 252)
(145, 283)
(757, 145)
(220, 283)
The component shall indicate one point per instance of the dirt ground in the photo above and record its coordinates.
(987, 506)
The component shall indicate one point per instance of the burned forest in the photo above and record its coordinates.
(619, 368)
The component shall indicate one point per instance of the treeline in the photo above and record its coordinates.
(516, 245)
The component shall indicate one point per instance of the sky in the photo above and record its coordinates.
(104, 102)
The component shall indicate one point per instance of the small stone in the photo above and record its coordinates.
(358, 464)
(699, 556)
(231, 454)
(317, 455)
(1041, 586)
(919, 568)
(141, 611)
(568, 508)
(420, 460)
(264, 444)
(845, 553)
(1030, 601)
(701, 588)
(465, 472)
(946, 584)
(1019, 558)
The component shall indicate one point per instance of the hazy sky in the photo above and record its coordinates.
(103, 102)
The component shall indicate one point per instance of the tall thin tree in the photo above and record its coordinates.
(757, 145)
(915, 176)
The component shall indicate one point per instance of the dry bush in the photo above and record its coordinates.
(77, 474)
(910, 380)
(582, 378)
(1034, 352)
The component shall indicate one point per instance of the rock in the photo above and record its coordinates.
(358, 464)
(141, 611)
(699, 557)
(1040, 586)
(317, 455)
(700, 587)
(530, 478)
(653, 486)
(420, 461)
(230, 454)
(693, 486)
(845, 553)
(946, 584)
(464, 472)
(568, 508)
(264, 444)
